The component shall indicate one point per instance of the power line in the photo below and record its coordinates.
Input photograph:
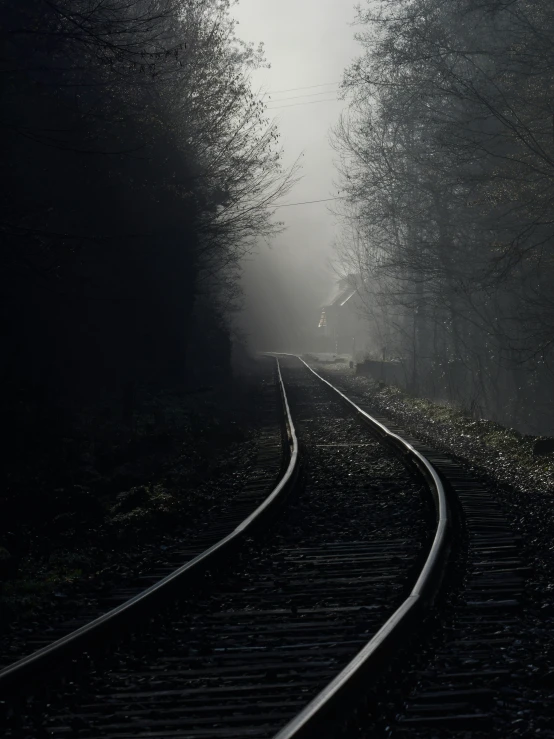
(309, 87)
(310, 102)
(306, 202)
(296, 97)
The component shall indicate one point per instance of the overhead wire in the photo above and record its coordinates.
(297, 97)
(308, 102)
(309, 87)
(306, 202)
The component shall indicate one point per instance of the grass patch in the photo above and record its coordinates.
(503, 452)
(499, 440)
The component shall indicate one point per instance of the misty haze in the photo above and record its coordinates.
(278, 368)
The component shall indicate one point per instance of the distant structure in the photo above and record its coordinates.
(341, 328)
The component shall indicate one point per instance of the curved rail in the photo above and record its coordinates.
(370, 659)
(15, 674)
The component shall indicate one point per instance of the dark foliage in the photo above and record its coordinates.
(137, 170)
(447, 168)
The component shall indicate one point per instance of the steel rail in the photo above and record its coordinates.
(371, 660)
(14, 675)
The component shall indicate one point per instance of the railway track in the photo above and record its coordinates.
(185, 544)
(281, 634)
(465, 679)
(480, 668)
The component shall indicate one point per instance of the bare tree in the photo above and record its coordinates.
(447, 154)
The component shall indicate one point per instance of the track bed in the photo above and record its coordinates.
(224, 504)
(482, 667)
(245, 652)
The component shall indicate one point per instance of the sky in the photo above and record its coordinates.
(307, 43)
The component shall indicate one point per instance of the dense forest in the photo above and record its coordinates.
(447, 164)
(138, 167)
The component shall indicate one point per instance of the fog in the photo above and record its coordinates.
(283, 292)
(188, 184)
(440, 175)
(162, 178)
(307, 44)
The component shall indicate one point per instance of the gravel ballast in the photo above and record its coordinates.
(146, 532)
(295, 607)
(524, 495)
